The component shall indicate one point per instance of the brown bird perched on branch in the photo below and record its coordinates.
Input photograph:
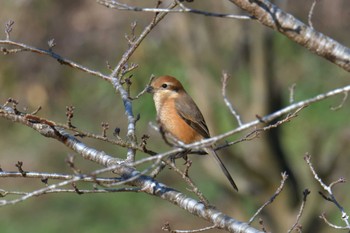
(179, 116)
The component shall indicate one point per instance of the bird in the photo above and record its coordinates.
(179, 116)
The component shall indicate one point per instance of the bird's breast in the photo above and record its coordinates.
(173, 123)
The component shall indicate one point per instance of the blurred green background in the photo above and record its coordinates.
(263, 66)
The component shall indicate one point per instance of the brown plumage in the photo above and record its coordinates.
(179, 115)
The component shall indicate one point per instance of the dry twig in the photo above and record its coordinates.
(296, 224)
(331, 197)
(311, 13)
(167, 227)
(225, 78)
(278, 191)
(181, 9)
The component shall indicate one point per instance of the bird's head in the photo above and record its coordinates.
(165, 85)
(164, 89)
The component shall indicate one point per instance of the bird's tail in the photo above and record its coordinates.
(212, 153)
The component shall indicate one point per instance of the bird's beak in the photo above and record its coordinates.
(150, 89)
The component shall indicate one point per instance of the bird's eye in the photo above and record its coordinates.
(164, 85)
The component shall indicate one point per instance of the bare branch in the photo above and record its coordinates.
(189, 181)
(117, 74)
(105, 127)
(51, 43)
(70, 161)
(291, 93)
(340, 180)
(37, 192)
(151, 187)
(342, 102)
(273, 17)
(61, 60)
(123, 168)
(8, 28)
(278, 191)
(225, 78)
(182, 9)
(167, 227)
(54, 187)
(157, 18)
(256, 132)
(48, 129)
(19, 165)
(79, 133)
(323, 216)
(57, 176)
(144, 90)
(331, 198)
(263, 228)
(116, 83)
(311, 13)
(69, 115)
(36, 111)
(305, 194)
(269, 118)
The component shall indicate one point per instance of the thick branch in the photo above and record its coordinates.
(273, 17)
(194, 207)
(48, 130)
(129, 174)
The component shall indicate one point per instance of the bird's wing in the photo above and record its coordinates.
(191, 114)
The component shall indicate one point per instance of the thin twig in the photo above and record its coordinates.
(331, 198)
(342, 102)
(59, 58)
(256, 132)
(144, 90)
(225, 78)
(323, 216)
(8, 28)
(70, 161)
(167, 227)
(182, 9)
(189, 181)
(4, 193)
(262, 224)
(291, 93)
(305, 194)
(311, 13)
(278, 191)
(157, 18)
(57, 176)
